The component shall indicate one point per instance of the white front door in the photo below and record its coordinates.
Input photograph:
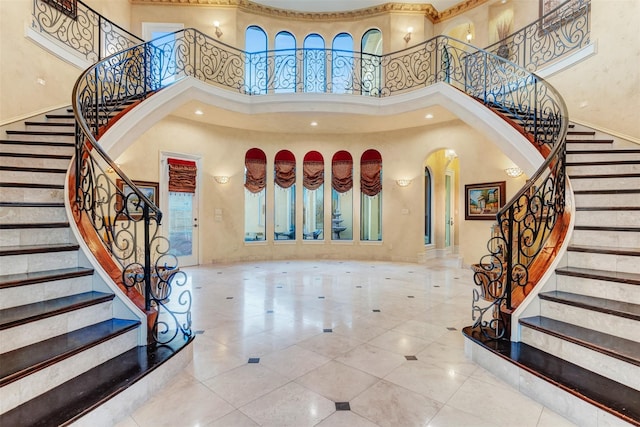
(180, 210)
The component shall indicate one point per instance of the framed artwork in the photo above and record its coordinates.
(547, 6)
(68, 7)
(483, 201)
(149, 189)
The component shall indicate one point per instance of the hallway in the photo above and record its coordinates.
(334, 331)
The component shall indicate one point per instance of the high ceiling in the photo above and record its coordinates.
(344, 5)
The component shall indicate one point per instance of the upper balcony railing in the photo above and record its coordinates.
(137, 72)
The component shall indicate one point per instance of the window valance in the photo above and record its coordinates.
(182, 175)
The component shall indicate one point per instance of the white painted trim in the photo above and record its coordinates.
(148, 28)
(607, 131)
(63, 52)
(569, 60)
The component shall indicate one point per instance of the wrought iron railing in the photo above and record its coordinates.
(557, 33)
(128, 222)
(85, 31)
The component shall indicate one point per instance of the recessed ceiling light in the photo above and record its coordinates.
(314, 123)
(429, 116)
(198, 112)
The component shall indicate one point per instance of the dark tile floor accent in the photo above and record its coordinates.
(269, 311)
(229, 297)
(199, 332)
(343, 406)
(450, 328)
(376, 311)
(411, 358)
(327, 330)
(254, 360)
(410, 296)
(320, 297)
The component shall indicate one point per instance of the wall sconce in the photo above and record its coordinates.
(513, 172)
(407, 36)
(403, 182)
(469, 35)
(110, 169)
(221, 179)
(216, 25)
(450, 154)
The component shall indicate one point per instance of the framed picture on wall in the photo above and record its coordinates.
(483, 201)
(149, 189)
(68, 7)
(547, 6)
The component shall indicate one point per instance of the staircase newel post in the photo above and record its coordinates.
(509, 258)
(147, 258)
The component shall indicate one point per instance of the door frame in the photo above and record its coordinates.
(164, 192)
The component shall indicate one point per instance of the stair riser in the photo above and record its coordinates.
(612, 218)
(600, 157)
(52, 138)
(572, 146)
(26, 215)
(607, 366)
(40, 330)
(603, 169)
(37, 149)
(43, 128)
(28, 263)
(32, 177)
(609, 200)
(621, 263)
(18, 392)
(604, 183)
(35, 162)
(602, 322)
(28, 294)
(21, 194)
(599, 288)
(36, 236)
(619, 239)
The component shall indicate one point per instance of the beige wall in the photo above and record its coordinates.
(403, 152)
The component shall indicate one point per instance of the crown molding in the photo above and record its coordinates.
(427, 9)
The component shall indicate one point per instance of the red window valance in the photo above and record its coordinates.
(255, 163)
(182, 175)
(342, 172)
(285, 169)
(313, 170)
(370, 171)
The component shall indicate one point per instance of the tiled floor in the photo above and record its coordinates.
(328, 333)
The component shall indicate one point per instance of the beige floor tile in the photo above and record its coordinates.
(211, 358)
(345, 419)
(289, 406)
(373, 360)
(397, 342)
(428, 380)
(234, 419)
(451, 417)
(337, 382)
(548, 418)
(330, 345)
(293, 361)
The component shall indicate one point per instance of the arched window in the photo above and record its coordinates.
(371, 48)
(313, 196)
(427, 206)
(284, 172)
(371, 195)
(342, 196)
(255, 43)
(342, 64)
(315, 64)
(255, 173)
(284, 79)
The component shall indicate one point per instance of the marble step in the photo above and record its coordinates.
(41, 135)
(37, 147)
(32, 175)
(50, 126)
(589, 144)
(602, 155)
(607, 355)
(30, 234)
(623, 260)
(32, 212)
(33, 370)
(626, 216)
(621, 237)
(585, 397)
(28, 324)
(30, 288)
(26, 192)
(621, 319)
(605, 181)
(55, 161)
(617, 197)
(104, 394)
(66, 117)
(576, 134)
(603, 167)
(29, 259)
(599, 283)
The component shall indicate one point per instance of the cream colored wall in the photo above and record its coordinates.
(118, 11)
(403, 153)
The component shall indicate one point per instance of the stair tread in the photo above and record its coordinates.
(39, 133)
(611, 345)
(40, 143)
(71, 400)
(613, 276)
(14, 316)
(32, 185)
(607, 208)
(605, 228)
(604, 163)
(608, 306)
(596, 389)
(17, 226)
(37, 249)
(581, 132)
(612, 151)
(17, 364)
(589, 141)
(37, 156)
(33, 204)
(19, 279)
(609, 191)
(56, 124)
(605, 250)
(32, 169)
(608, 175)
